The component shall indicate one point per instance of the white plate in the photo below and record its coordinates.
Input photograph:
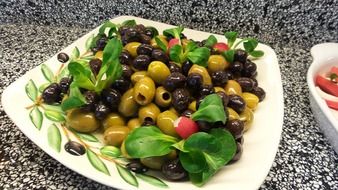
(324, 56)
(260, 144)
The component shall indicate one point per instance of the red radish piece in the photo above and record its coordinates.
(326, 85)
(185, 127)
(173, 42)
(220, 46)
(332, 104)
(334, 70)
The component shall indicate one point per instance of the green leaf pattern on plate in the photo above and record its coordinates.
(127, 175)
(54, 137)
(151, 180)
(43, 86)
(75, 53)
(54, 116)
(47, 73)
(31, 90)
(96, 162)
(87, 137)
(36, 117)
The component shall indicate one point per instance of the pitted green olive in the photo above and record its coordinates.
(137, 76)
(232, 114)
(250, 99)
(158, 71)
(156, 162)
(192, 106)
(148, 113)
(128, 106)
(233, 87)
(247, 117)
(134, 123)
(113, 119)
(217, 63)
(165, 121)
(115, 135)
(82, 121)
(144, 91)
(132, 48)
(162, 97)
(162, 38)
(203, 72)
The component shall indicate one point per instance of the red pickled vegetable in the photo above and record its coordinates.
(334, 70)
(332, 104)
(185, 127)
(220, 46)
(173, 42)
(326, 85)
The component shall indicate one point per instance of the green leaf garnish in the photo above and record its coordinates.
(154, 31)
(231, 37)
(211, 41)
(82, 75)
(256, 53)
(199, 56)
(161, 44)
(75, 99)
(90, 42)
(174, 32)
(176, 53)
(229, 55)
(250, 45)
(129, 23)
(107, 25)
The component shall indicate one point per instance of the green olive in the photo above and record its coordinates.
(219, 89)
(144, 91)
(247, 116)
(132, 48)
(172, 109)
(128, 106)
(203, 72)
(158, 71)
(115, 135)
(192, 106)
(99, 55)
(162, 97)
(124, 151)
(82, 121)
(250, 99)
(217, 63)
(162, 38)
(134, 123)
(232, 114)
(233, 87)
(113, 119)
(148, 113)
(156, 162)
(137, 76)
(165, 121)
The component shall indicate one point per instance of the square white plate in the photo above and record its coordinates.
(260, 142)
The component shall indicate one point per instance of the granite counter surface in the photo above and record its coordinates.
(32, 31)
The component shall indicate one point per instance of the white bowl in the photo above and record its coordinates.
(324, 57)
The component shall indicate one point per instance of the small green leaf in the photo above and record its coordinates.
(250, 45)
(109, 25)
(47, 73)
(191, 46)
(231, 37)
(176, 53)
(87, 137)
(161, 44)
(54, 116)
(229, 55)
(127, 175)
(199, 56)
(36, 117)
(193, 161)
(256, 53)
(54, 137)
(153, 30)
(72, 102)
(129, 23)
(75, 53)
(174, 32)
(89, 42)
(31, 90)
(151, 180)
(211, 110)
(97, 163)
(110, 151)
(211, 41)
(43, 87)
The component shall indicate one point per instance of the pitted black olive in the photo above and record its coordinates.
(141, 62)
(186, 67)
(111, 98)
(122, 84)
(236, 67)
(236, 128)
(173, 170)
(101, 42)
(62, 57)
(219, 78)
(240, 55)
(224, 97)
(159, 55)
(126, 71)
(237, 103)
(204, 125)
(187, 113)
(64, 84)
(247, 84)
(101, 111)
(180, 99)
(136, 167)
(91, 100)
(174, 81)
(206, 90)
(95, 65)
(125, 58)
(259, 92)
(75, 148)
(173, 67)
(144, 49)
(52, 94)
(249, 69)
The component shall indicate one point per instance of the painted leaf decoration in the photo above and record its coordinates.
(127, 175)
(151, 180)
(110, 151)
(97, 163)
(36, 117)
(75, 53)
(64, 73)
(54, 116)
(54, 137)
(87, 137)
(47, 73)
(31, 90)
(56, 108)
(43, 87)
(89, 42)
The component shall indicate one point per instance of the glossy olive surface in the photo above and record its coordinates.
(115, 135)
(165, 121)
(82, 121)
(128, 106)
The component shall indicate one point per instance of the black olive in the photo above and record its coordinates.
(236, 128)
(123, 30)
(238, 154)
(144, 49)
(236, 67)
(145, 39)
(174, 81)
(219, 78)
(91, 99)
(141, 62)
(206, 90)
(173, 170)
(240, 140)
(199, 101)
(246, 83)
(122, 84)
(62, 57)
(229, 74)
(255, 82)
(101, 42)
(240, 55)
(224, 97)
(159, 55)
(64, 84)
(140, 28)
(95, 65)
(186, 67)
(101, 111)
(75, 148)
(180, 99)
(111, 98)
(173, 67)
(126, 71)
(125, 58)
(249, 69)
(259, 92)
(194, 83)
(136, 167)
(187, 113)
(51, 94)
(204, 125)
(237, 103)
(149, 32)
(132, 35)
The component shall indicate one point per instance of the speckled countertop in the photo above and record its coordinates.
(32, 31)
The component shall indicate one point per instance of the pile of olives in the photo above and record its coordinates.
(153, 90)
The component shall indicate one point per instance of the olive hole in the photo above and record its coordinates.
(166, 96)
(141, 98)
(148, 119)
